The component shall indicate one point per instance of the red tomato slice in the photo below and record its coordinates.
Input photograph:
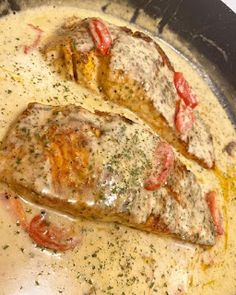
(50, 236)
(211, 202)
(101, 35)
(28, 48)
(184, 118)
(184, 90)
(164, 160)
(19, 211)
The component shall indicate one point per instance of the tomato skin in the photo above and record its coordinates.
(101, 35)
(19, 212)
(211, 202)
(50, 236)
(164, 157)
(28, 48)
(41, 232)
(184, 118)
(184, 91)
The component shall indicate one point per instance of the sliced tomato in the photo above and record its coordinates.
(211, 202)
(184, 117)
(101, 35)
(19, 212)
(35, 43)
(50, 236)
(164, 160)
(184, 91)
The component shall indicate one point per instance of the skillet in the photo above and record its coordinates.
(218, 61)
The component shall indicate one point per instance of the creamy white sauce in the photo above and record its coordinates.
(111, 259)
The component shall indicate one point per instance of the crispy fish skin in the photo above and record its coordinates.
(94, 165)
(136, 74)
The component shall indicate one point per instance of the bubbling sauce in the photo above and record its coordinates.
(112, 259)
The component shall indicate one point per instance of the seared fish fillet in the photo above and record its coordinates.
(95, 166)
(136, 74)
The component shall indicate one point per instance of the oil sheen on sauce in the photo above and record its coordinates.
(111, 259)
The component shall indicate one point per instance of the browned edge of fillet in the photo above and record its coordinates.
(153, 224)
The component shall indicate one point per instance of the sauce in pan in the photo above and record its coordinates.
(112, 259)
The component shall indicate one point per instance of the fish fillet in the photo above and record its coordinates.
(94, 165)
(135, 74)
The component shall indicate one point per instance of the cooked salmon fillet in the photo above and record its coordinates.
(95, 165)
(135, 73)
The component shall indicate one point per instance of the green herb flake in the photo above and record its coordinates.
(18, 161)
